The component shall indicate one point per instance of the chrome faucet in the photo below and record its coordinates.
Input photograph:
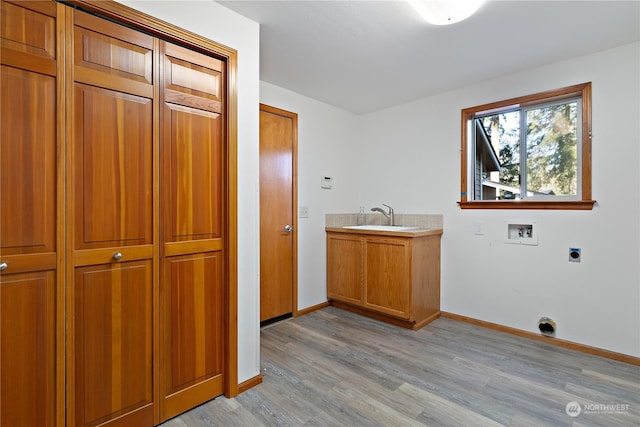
(389, 215)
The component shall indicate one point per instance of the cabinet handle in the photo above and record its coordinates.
(3, 266)
(117, 256)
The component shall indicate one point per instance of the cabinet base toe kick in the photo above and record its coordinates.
(408, 324)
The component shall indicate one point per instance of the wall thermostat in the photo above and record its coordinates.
(325, 182)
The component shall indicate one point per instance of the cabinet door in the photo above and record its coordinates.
(30, 302)
(387, 276)
(193, 241)
(111, 286)
(344, 267)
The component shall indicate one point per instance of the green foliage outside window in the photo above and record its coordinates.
(547, 137)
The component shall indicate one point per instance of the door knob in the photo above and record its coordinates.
(288, 228)
(3, 266)
(117, 256)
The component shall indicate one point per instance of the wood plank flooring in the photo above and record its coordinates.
(335, 368)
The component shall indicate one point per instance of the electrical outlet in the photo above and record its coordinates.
(575, 254)
(303, 212)
(478, 228)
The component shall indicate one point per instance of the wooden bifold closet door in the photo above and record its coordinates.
(112, 289)
(31, 297)
(114, 210)
(145, 111)
(192, 312)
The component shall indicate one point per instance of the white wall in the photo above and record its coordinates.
(409, 157)
(327, 140)
(596, 302)
(222, 25)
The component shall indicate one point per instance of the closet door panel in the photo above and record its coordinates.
(113, 168)
(112, 56)
(113, 333)
(27, 307)
(112, 286)
(27, 162)
(29, 35)
(193, 329)
(194, 174)
(192, 312)
(31, 375)
(192, 79)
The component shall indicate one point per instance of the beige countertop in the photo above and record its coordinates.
(411, 232)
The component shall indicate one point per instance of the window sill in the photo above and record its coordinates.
(583, 205)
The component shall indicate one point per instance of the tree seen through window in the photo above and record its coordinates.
(547, 138)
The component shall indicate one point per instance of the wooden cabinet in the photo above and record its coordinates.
(116, 205)
(392, 278)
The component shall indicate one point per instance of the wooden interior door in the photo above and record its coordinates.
(193, 239)
(30, 298)
(278, 203)
(111, 285)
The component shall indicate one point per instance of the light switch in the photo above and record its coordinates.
(303, 212)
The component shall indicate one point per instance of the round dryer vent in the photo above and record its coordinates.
(547, 326)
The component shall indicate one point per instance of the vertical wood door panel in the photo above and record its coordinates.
(27, 162)
(196, 314)
(30, 301)
(193, 331)
(195, 174)
(113, 167)
(112, 202)
(387, 279)
(425, 274)
(28, 357)
(113, 354)
(192, 169)
(344, 278)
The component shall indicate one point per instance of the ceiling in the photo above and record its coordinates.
(363, 56)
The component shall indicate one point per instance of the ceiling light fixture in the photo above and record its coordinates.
(445, 12)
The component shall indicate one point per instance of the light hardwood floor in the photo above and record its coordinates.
(335, 368)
